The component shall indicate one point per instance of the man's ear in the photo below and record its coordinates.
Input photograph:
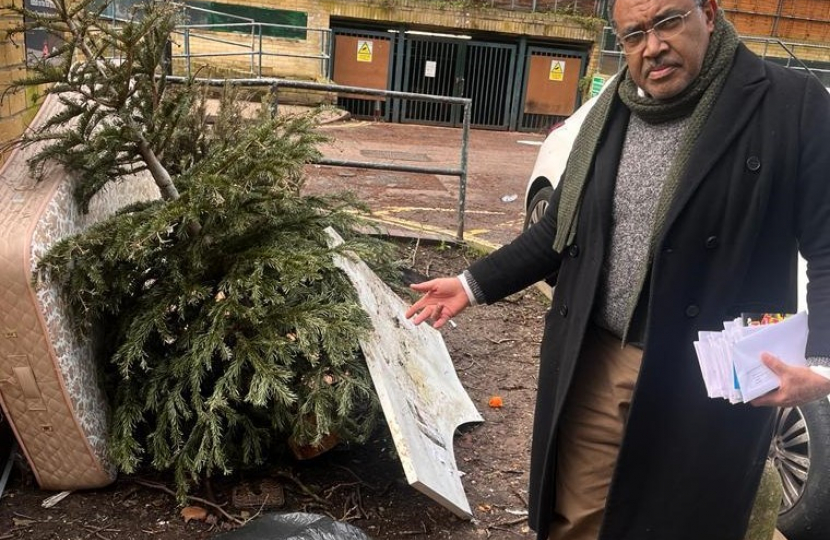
(710, 9)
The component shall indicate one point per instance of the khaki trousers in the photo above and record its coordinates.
(590, 432)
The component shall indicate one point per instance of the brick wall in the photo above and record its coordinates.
(788, 20)
(435, 15)
(291, 64)
(16, 108)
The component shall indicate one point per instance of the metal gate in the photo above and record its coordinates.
(480, 71)
(489, 74)
(522, 86)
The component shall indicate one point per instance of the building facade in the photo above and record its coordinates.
(525, 64)
(17, 108)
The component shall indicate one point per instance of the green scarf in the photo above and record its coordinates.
(697, 99)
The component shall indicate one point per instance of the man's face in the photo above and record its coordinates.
(664, 68)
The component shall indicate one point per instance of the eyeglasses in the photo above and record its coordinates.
(667, 28)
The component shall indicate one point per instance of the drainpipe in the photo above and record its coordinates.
(777, 18)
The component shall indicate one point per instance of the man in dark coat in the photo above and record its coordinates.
(696, 179)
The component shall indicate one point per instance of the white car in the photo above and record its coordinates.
(800, 447)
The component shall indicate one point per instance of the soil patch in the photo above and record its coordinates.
(495, 351)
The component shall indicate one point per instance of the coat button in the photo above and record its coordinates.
(712, 242)
(753, 163)
(692, 311)
(573, 251)
(563, 311)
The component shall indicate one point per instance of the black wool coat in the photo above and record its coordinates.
(757, 189)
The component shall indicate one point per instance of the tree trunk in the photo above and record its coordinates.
(160, 175)
(767, 503)
(163, 181)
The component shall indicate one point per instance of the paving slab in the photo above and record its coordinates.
(499, 164)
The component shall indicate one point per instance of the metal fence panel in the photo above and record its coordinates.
(489, 71)
(431, 67)
(481, 71)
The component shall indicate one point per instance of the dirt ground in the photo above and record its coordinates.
(495, 351)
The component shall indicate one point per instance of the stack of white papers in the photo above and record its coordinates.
(730, 361)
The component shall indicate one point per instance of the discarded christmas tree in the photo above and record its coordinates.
(227, 329)
(120, 114)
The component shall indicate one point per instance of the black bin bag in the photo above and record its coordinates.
(294, 526)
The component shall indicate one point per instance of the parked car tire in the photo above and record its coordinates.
(538, 205)
(800, 451)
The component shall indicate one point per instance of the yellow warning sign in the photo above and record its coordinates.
(364, 51)
(557, 70)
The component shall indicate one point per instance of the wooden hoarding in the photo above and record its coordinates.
(552, 85)
(361, 61)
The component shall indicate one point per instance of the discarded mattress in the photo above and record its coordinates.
(49, 389)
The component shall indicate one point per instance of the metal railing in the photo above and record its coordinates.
(581, 7)
(460, 171)
(255, 49)
(790, 59)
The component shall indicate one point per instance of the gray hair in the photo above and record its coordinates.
(611, 4)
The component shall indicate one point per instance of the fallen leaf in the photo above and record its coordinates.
(194, 512)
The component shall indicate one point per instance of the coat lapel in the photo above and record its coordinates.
(741, 94)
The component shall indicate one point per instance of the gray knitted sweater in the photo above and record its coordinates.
(647, 154)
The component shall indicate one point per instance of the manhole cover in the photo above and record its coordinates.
(394, 156)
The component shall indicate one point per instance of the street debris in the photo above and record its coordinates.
(417, 386)
(267, 493)
(294, 526)
(49, 502)
(196, 513)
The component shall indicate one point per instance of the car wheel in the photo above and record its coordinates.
(538, 205)
(800, 450)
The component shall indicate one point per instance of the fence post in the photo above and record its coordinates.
(187, 49)
(275, 100)
(259, 72)
(462, 180)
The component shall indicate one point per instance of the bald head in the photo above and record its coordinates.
(612, 3)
